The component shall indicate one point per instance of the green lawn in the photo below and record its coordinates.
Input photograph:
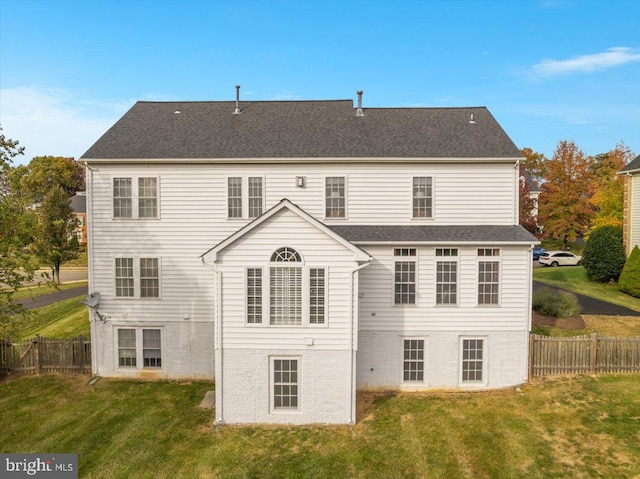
(575, 279)
(64, 319)
(35, 291)
(579, 427)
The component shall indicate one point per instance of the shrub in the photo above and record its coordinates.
(552, 302)
(603, 256)
(630, 276)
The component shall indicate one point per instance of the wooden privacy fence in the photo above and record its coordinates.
(582, 355)
(45, 355)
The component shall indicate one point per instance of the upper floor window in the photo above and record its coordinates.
(245, 197)
(335, 198)
(422, 197)
(142, 191)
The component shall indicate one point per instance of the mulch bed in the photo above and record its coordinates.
(573, 323)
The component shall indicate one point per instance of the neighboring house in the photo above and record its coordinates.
(631, 221)
(79, 205)
(298, 250)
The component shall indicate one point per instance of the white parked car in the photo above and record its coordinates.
(559, 258)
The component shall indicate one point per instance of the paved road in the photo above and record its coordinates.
(66, 276)
(592, 305)
(51, 298)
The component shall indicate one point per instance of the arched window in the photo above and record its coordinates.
(285, 254)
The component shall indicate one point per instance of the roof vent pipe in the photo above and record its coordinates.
(359, 111)
(237, 111)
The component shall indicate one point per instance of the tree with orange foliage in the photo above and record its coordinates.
(531, 175)
(565, 209)
(608, 186)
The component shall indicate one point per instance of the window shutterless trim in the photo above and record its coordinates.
(137, 278)
(430, 185)
(155, 351)
(285, 388)
(135, 198)
(345, 197)
(414, 360)
(471, 362)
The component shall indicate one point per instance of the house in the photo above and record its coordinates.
(631, 219)
(79, 206)
(297, 251)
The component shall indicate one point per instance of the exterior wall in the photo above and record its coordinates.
(324, 387)
(380, 359)
(634, 212)
(187, 349)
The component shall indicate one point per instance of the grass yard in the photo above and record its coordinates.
(578, 427)
(65, 319)
(575, 279)
(35, 291)
(611, 326)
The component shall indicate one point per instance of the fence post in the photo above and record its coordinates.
(36, 342)
(594, 352)
(81, 351)
(531, 343)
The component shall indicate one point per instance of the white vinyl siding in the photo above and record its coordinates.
(422, 196)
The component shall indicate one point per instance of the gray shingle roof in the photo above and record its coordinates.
(79, 203)
(633, 165)
(300, 129)
(436, 234)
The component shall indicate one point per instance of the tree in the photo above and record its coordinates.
(531, 175)
(15, 227)
(45, 173)
(527, 207)
(603, 256)
(608, 186)
(564, 207)
(55, 232)
(630, 276)
(535, 164)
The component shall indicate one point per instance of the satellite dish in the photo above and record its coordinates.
(92, 300)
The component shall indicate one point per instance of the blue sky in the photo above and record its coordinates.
(548, 70)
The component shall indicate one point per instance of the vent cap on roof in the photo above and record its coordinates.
(237, 110)
(359, 111)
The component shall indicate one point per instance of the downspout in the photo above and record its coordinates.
(218, 369)
(352, 337)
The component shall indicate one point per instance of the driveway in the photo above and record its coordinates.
(47, 299)
(593, 306)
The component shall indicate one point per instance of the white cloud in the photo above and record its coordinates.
(613, 57)
(51, 121)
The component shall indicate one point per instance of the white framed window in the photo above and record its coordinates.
(139, 348)
(142, 191)
(317, 295)
(254, 295)
(255, 196)
(234, 197)
(413, 360)
(245, 197)
(473, 363)
(124, 278)
(137, 277)
(335, 197)
(422, 197)
(286, 292)
(404, 271)
(488, 276)
(285, 393)
(446, 276)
